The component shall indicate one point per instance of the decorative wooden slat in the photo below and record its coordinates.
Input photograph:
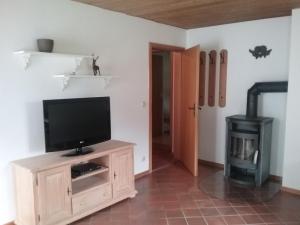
(212, 78)
(223, 77)
(202, 78)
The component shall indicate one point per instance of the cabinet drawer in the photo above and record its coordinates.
(91, 199)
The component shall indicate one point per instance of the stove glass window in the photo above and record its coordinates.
(242, 148)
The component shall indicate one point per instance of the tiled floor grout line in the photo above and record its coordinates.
(225, 221)
(227, 215)
(205, 220)
(201, 216)
(241, 217)
(245, 222)
(183, 213)
(167, 221)
(219, 212)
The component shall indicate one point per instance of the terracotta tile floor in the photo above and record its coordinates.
(170, 196)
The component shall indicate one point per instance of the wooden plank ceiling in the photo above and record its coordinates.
(198, 13)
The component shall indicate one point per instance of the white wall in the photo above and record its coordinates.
(120, 41)
(243, 71)
(292, 145)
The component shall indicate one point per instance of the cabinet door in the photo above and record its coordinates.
(122, 164)
(54, 195)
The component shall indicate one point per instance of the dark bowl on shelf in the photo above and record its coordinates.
(45, 45)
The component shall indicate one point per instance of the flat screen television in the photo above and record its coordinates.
(76, 123)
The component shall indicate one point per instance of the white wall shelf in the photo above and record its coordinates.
(25, 57)
(65, 78)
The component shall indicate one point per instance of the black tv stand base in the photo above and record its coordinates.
(78, 151)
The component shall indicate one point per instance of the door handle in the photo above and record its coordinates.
(194, 109)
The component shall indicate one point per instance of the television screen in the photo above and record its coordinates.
(75, 123)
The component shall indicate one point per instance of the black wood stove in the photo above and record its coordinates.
(249, 137)
(248, 149)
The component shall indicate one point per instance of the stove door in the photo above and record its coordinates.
(243, 147)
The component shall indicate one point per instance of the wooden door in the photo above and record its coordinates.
(157, 95)
(54, 195)
(189, 109)
(176, 106)
(122, 164)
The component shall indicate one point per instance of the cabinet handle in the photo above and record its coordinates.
(115, 175)
(69, 191)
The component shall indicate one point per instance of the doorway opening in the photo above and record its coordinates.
(173, 104)
(164, 108)
(161, 109)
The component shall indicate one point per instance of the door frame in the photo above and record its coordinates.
(161, 47)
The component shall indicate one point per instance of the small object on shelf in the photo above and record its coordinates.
(45, 45)
(96, 68)
(84, 168)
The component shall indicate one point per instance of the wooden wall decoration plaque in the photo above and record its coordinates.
(223, 77)
(212, 78)
(202, 78)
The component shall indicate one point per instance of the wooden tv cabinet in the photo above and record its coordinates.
(46, 194)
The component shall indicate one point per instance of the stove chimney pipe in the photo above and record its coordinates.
(262, 87)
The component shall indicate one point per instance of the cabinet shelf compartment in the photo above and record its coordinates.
(93, 179)
(99, 171)
(87, 184)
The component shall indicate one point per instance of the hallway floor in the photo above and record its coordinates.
(161, 158)
(171, 196)
(161, 153)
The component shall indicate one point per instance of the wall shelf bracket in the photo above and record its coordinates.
(107, 80)
(78, 61)
(65, 79)
(65, 82)
(25, 60)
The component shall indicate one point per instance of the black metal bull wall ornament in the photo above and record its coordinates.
(260, 51)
